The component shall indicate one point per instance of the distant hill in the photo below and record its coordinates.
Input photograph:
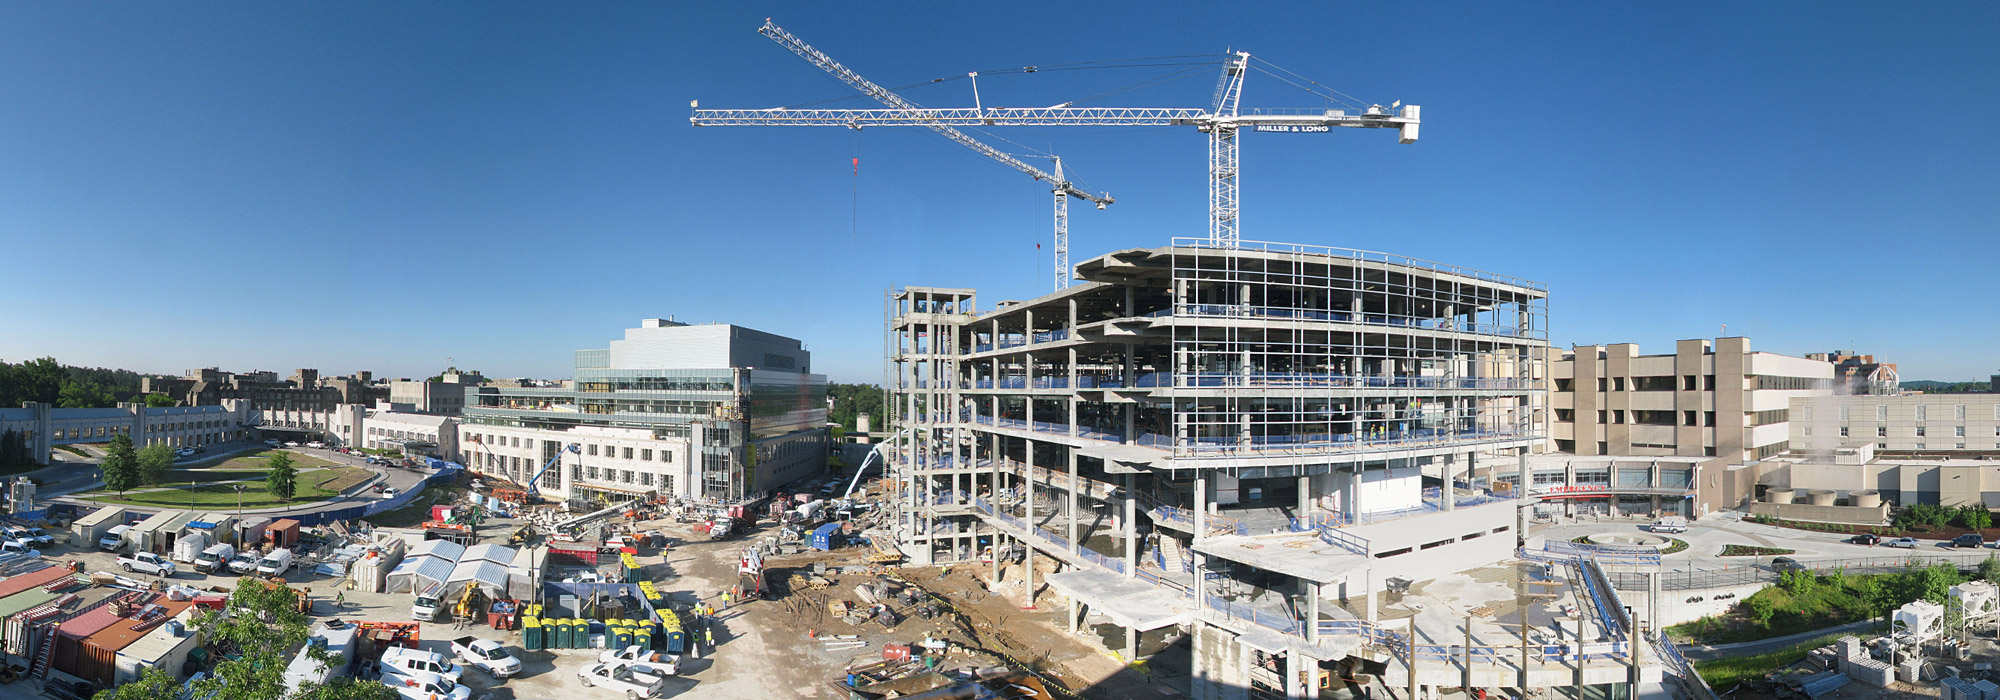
(1932, 386)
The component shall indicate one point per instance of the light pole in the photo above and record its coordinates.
(239, 501)
(192, 485)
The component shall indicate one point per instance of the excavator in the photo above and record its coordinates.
(468, 602)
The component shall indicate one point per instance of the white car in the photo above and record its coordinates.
(389, 493)
(417, 663)
(621, 676)
(587, 577)
(425, 686)
(1904, 542)
(486, 654)
(316, 445)
(291, 444)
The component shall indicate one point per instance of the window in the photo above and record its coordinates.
(628, 455)
(1564, 384)
(1600, 384)
(1618, 384)
(1708, 384)
(1881, 431)
(1920, 431)
(516, 442)
(593, 450)
(645, 455)
(1843, 431)
(1805, 414)
(646, 478)
(1959, 431)
(592, 471)
(1600, 417)
(1808, 431)
(1618, 417)
(1961, 412)
(1708, 419)
(1922, 413)
(1687, 382)
(1689, 417)
(1881, 413)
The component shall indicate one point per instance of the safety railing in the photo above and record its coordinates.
(1195, 380)
(1217, 524)
(1345, 540)
(1293, 314)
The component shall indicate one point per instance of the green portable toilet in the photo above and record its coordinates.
(620, 637)
(531, 634)
(579, 633)
(643, 636)
(565, 634)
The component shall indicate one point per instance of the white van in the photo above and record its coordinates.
(214, 559)
(114, 538)
(1671, 523)
(428, 604)
(276, 563)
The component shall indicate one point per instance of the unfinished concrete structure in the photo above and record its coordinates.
(1252, 442)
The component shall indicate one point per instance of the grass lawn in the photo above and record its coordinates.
(260, 461)
(176, 477)
(1722, 674)
(312, 486)
(418, 511)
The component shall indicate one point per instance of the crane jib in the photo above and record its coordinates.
(1295, 128)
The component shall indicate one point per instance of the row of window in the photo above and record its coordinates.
(1688, 418)
(1922, 412)
(1883, 431)
(593, 449)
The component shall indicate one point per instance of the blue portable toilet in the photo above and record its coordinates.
(824, 537)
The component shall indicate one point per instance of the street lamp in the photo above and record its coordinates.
(239, 500)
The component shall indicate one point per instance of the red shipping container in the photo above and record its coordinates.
(32, 579)
(70, 635)
(283, 533)
(96, 655)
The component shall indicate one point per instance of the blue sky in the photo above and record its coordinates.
(386, 185)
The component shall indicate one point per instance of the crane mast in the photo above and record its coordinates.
(1061, 187)
(1222, 121)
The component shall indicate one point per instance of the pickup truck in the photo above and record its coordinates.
(621, 676)
(147, 562)
(644, 660)
(486, 654)
(34, 536)
(13, 546)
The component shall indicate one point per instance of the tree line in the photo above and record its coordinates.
(850, 400)
(63, 386)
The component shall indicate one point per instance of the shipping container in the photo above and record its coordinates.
(70, 635)
(250, 531)
(13, 626)
(166, 647)
(97, 654)
(33, 579)
(826, 537)
(87, 529)
(221, 527)
(283, 533)
(146, 536)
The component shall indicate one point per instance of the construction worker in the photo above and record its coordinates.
(725, 600)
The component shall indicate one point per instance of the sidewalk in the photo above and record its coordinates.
(1703, 652)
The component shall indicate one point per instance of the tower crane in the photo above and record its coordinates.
(1222, 121)
(1062, 188)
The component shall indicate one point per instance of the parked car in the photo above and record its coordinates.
(113, 539)
(1784, 564)
(147, 563)
(1865, 538)
(621, 676)
(486, 654)
(33, 536)
(644, 660)
(243, 562)
(1904, 542)
(425, 686)
(587, 577)
(13, 546)
(416, 662)
(1970, 539)
(273, 443)
(276, 563)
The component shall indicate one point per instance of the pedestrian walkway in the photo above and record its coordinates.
(1705, 652)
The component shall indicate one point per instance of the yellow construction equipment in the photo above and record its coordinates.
(468, 602)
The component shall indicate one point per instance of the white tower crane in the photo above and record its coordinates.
(1221, 121)
(1061, 187)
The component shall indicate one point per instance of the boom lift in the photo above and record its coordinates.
(533, 490)
(1221, 121)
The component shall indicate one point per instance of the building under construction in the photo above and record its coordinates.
(1260, 443)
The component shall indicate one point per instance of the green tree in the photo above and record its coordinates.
(262, 624)
(283, 481)
(1989, 570)
(349, 688)
(14, 452)
(84, 394)
(1759, 608)
(154, 461)
(157, 400)
(1975, 516)
(121, 465)
(154, 683)
(39, 380)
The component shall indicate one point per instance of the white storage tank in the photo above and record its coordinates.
(1780, 496)
(1866, 499)
(1822, 497)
